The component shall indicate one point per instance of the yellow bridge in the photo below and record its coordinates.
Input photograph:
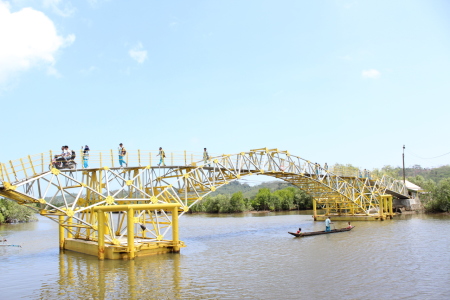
(116, 212)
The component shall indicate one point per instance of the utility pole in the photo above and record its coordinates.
(404, 180)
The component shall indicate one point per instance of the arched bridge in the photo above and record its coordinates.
(107, 210)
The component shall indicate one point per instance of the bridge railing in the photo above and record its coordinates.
(345, 171)
(386, 181)
(32, 165)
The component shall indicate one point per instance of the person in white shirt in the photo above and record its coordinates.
(327, 224)
(68, 154)
(122, 153)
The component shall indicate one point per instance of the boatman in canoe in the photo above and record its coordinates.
(327, 224)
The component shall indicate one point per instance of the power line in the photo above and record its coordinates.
(427, 157)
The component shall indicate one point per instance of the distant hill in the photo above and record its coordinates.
(435, 174)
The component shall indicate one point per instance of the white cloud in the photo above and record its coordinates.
(372, 73)
(28, 39)
(65, 11)
(138, 53)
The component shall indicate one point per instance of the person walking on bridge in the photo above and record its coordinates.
(206, 157)
(122, 153)
(161, 155)
(85, 156)
(327, 224)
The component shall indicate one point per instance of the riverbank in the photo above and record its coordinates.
(11, 212)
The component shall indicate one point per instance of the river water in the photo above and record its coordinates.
(247, 256)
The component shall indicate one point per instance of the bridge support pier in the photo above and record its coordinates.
(381, 208)
(314, 209)
(385, 210)
(61, 233)
(101, 235)
(175, 238)
(130, 232)
(114, 247)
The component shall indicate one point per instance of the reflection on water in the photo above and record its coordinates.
(242, 256)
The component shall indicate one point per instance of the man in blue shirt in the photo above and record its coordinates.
(327, 224)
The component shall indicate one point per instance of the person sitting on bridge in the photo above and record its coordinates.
(349, 226)
(61, 157)
(327, 224)
(68, 155)
(63, 152)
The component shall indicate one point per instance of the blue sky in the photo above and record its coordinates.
(330, 81)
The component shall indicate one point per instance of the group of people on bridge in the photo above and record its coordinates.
(69, 155)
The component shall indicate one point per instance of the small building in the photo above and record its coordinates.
(413, 203)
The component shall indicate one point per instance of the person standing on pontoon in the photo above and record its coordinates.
(327, 224)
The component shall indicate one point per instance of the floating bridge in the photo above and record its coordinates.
(121, 213)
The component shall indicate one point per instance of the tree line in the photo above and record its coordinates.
(289, 198)
(437, 194)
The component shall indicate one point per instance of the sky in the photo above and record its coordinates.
(334, 81)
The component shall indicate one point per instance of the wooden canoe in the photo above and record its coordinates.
(320, 232)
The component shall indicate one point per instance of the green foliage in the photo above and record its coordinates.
(237, 202)
(284, 199)
(394, 172)
(10, 212)
(438, 197)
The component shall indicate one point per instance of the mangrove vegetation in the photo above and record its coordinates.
(11, 212)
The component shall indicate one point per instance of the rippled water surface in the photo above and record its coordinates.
(242, 256)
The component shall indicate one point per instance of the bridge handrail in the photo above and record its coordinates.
(385, 181)
(32, 165)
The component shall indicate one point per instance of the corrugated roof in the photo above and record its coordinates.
(412, 186)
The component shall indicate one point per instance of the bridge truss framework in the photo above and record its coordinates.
(118, 212)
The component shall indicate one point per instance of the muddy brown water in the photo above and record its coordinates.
(245, 256)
